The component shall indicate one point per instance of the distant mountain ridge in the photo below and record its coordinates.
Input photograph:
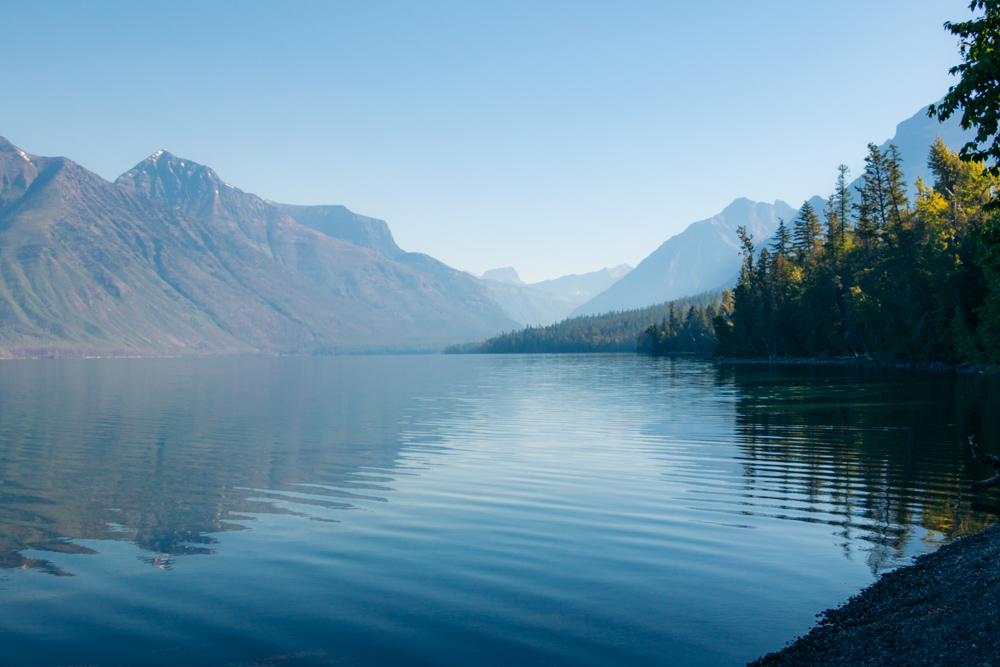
(506, 274)
(341, 223)
(705, 256)
(701, 258)
(170, 259)
(548, 301)
(528, 306)
(580, 288)
(913, 139)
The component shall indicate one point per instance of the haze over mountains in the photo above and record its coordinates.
(548, 301)
(705, 256)
(169, 259)
(701, 258)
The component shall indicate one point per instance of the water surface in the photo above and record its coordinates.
(592, 509)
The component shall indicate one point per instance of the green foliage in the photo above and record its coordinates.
(680, 332)
(684, 325)
(908, 281)
(978, 91)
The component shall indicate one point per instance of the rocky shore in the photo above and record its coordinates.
(942, 610)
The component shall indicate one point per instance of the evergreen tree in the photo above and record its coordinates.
(782, 240)
(907, 283)
(842, 204)
(873, 211)
(806, 233)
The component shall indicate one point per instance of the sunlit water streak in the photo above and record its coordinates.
(456, 510)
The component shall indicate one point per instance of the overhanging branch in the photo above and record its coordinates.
(986, 459)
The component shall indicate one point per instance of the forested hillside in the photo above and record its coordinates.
(894, 278)
(683, 325)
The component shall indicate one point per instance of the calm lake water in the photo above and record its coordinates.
(488, 510)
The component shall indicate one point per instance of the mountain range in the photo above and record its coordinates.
(169, 259)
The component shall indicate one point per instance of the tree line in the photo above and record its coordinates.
(686, 327)
(883, 275)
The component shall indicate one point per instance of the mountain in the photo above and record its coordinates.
(504, 275)
(169, 259)
(529, 306)
(913, 139)
(705, 255)
(548, 301)
(702, 257)
(341, 223)
(580, 288)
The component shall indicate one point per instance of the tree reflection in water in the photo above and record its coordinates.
(879, 453)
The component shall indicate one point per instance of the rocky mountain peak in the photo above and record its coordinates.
(172, 179)
(617, 272)
(17, 172)
(7, 147)
(198, 191)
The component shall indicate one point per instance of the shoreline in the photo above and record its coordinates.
(942, 610)
(937, 366)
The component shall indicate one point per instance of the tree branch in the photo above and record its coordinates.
(987, 459)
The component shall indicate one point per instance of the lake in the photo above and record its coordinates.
(455, 510)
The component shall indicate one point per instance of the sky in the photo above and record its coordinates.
(555, 137)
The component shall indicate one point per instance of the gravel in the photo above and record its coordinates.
(942, 610)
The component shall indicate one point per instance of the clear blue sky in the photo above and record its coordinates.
(557, 137)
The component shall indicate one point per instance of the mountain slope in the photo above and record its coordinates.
(527, 305)
(171, 260)
(86, 265)
(548, 301)
(702, 257)
(506, 274)
(706, 254)
(341, 223)
(580, 288)
(914, 137)
(400, 302)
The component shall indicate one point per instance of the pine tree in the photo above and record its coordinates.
(883, 207)
(873, 209)
(782, 240)
(841, 201)
(806, 233)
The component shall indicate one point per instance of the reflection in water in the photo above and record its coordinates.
(463, 509)
(878, 453)
(166, 454)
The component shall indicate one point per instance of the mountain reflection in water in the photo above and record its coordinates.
(166, 455)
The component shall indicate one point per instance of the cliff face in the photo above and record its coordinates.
(341, 223)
